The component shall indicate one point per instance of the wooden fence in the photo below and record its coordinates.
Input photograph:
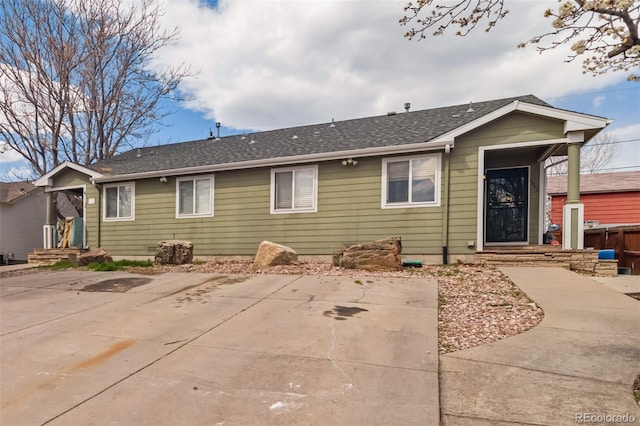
(625, 240)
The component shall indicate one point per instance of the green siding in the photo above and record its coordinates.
(349, 204)
(348, 211)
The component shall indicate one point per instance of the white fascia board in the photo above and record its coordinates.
(47, 179)
(573, 120)
(271, 162)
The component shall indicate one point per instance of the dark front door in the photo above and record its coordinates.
(507, 206)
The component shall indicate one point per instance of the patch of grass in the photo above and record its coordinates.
(119, 265)
(448, 271)
(60, 265)
(358, 282)
(636, 389)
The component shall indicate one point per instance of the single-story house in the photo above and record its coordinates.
(22, 214)
(448, 181)
(608, 198)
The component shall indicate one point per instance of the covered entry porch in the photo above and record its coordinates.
(512, 203)
(71, 200)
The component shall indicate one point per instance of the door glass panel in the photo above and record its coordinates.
(506, 205)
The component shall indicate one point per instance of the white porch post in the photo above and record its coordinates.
(49, 228)
(573, 210)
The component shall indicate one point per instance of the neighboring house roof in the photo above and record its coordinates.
(597, 183)
(10, 192)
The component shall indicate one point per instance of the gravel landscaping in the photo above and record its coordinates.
(477, 305)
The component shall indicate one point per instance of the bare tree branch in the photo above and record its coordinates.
(595, 155)
(75, 78)
(603, 32)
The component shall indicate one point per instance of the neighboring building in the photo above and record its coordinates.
(608, 198)
(448, 181)
(22, 214)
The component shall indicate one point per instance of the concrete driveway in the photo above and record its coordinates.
(207, 349)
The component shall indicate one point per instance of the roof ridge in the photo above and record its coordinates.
(357, 136)
(348, 120)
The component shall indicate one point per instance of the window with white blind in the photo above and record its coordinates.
(294, 190)
(119, 201)
(411, 181)
(194, 196)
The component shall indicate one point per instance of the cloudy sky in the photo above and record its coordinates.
(273, 64)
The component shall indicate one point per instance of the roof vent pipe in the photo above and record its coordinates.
(217, 130)
(210, 134)
(470, 107)
(407, 106)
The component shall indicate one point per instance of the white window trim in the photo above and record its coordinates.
(133, 202)
(313, 209)
(211, 202)
(437, 183)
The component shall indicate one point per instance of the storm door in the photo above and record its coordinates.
(507, 206)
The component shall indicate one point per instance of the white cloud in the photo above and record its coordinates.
(20, 173)
(13, 166)
(598, 101)
(9, 155)
(631, 132)
(627, 147)
(269, 64)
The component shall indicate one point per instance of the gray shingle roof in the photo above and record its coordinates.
(13, 191)
(373, 132)
(597, 182)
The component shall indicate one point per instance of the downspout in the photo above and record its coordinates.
(99, 224)
(445, 206)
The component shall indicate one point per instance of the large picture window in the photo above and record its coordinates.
(294, 190)
(411, 181)
(119, 201)
(194, 196)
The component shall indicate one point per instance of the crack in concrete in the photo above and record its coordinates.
(350, 384)
(364, 293)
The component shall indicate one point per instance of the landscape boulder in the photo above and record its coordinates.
(174, 252)
(96, 255)
(273, 254)
(380, 255)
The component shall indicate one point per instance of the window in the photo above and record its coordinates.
(411, 181)
(194, 197)
(119, 201)
(294, 190)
